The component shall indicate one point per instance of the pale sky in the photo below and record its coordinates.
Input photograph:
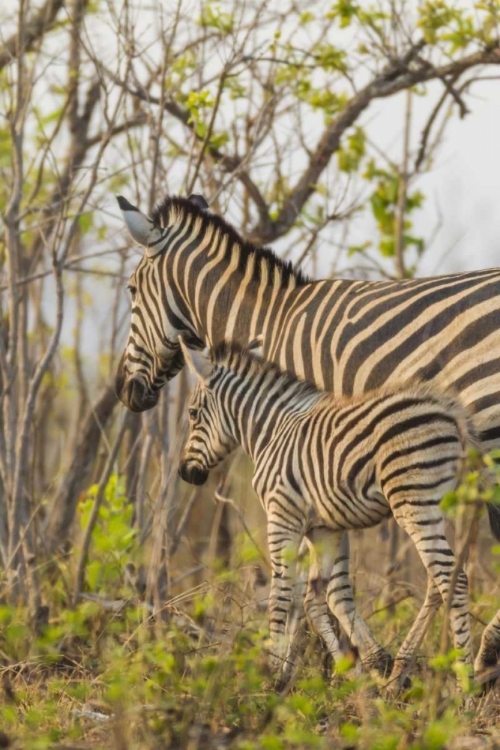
(463, 188)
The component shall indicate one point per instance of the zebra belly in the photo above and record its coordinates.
(344, 510)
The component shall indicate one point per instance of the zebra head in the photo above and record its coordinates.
(152, 354)
(209, 440)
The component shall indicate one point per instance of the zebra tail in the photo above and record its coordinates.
(493, 508)
(494, 519)
(470, 438)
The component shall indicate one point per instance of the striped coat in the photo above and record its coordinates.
(199, 278)
(328, 465)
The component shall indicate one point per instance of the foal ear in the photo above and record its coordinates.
(141, 228)
(198, 363)
(256, 346)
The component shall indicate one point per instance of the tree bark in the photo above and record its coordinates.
(63, 508)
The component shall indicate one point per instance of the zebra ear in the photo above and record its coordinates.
(199, 201)
(141, 228)
(198, 363)
(256, 346)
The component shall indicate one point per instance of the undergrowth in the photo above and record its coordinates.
(118, 680)
(105, 673)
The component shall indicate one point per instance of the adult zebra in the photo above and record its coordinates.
(198, 278)
(323, 464)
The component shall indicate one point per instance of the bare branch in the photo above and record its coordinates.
(80, 574)
(34, 29)
(399, 236)
(63, 508)
(231, 164)
(383, 85)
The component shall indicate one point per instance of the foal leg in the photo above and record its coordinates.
(425, 525)
(322, 561)
(294, 633)
(489, 651)
(409, 647)
(340, 599)
(329, 561)
(284, 537)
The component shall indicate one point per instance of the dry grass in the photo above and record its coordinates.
(111, 679)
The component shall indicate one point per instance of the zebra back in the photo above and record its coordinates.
(411, 420)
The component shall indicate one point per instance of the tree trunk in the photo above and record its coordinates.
(63, 509)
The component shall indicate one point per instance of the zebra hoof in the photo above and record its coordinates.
(398, 684)
(281, 670)
(486, 670)
(282, 686)
(405, 682)
(381, 661)
(486, 678)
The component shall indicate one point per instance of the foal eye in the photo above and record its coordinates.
(132, 290)
(193, 413)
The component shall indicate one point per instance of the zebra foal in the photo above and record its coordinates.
(325, 465)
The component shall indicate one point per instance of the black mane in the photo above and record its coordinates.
(265, 255)
(235, 357)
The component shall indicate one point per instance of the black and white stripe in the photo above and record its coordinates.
(325, 465)
(199, 278)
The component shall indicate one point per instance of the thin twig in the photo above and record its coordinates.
(399, 237)
(222, 499)
(87, 537)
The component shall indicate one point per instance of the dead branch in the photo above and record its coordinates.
(404, 177)
(34, 30)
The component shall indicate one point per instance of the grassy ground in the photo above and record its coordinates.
(104, 674)
(101, 678)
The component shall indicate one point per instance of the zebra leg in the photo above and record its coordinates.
(408, 649)
(296, 616)
(310, 598)
(295, 635)
(489, 652)
(341, 602)
(322, 560)
(425, 525)
(284, 541)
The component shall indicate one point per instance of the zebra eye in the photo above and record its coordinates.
(132, 290)
(193, 413)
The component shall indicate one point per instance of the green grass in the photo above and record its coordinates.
(199, 680)
(103, 675)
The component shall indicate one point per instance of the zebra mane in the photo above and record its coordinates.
(242, 360)
(179, 209)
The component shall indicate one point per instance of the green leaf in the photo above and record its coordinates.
(343, 11)
(354, 249)
(86, 222)
(449, 501)
(306, 17)
(212, 17)
(350, 156)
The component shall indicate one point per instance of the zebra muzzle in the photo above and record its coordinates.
(135, 395)
(192, 474)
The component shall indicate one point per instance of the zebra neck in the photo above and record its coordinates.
(262, 406)
(227, 292)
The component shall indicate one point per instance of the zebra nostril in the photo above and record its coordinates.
(192, 474)
(132, 390)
